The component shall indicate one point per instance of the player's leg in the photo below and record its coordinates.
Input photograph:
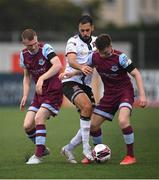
(29, 125)
(101, 113)
(41, 116)
(29, 122)
(96, 122)
(84, 104)
(95, 129)
(67, 149)
(73, 92)
(96, 136)
(128, 135)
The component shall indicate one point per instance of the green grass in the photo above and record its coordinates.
(14, 147)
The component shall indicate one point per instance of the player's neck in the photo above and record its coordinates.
(87, 41)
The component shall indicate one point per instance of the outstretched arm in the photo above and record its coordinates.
(82, 67)
(66, 75)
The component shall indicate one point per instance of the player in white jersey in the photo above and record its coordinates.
(79, 48)
(78, 88)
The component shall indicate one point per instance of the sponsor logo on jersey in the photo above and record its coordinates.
(124, 61)
(129, 62)
(49, 50)
(84, 52)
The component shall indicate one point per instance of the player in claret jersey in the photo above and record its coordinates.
(40, 62)
(113, 67)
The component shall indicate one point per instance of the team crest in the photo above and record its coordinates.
(41, 62)
(114, 68)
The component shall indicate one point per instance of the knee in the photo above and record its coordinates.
(27, 126)
(94, 127)
(87, 109)
(38, 120)
(123, 122)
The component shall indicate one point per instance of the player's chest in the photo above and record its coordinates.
(84, 50)
(107, 66)
(35, 63)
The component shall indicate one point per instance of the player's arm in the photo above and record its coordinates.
(72, 60)
(127, 64)
(137, 76)
(55, 68)
(89, 64)
(26, 88)
(66, 75)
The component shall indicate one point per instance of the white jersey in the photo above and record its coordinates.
(82, 50)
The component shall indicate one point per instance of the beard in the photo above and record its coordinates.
(86, 39)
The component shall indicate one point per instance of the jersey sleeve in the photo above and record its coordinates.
(124, 61)
(47, 49)
(22, 60)
(71, 46)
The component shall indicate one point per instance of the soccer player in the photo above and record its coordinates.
(40, 62)
(113, 67)
(78, 88)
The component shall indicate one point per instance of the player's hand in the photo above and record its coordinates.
(142, 101)
(86, 69)
(39, 85)
(65, 75)
(22, 103)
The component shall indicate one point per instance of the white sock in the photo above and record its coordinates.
(85, 131)
(75, 141)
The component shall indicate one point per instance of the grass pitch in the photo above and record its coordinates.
(15, 148)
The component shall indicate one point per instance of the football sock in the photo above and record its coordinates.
(40, 139)
(76, 140)
(31, 134)
(128, 135)
(96, 137)
(85, 131)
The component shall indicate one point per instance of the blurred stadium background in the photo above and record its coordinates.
(133, 25)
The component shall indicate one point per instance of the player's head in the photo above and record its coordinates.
(30, 40)
(104, 44)
(85, 27)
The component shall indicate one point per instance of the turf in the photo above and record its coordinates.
(15, 148)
